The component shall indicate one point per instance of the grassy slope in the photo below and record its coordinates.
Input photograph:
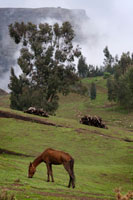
(103, 161)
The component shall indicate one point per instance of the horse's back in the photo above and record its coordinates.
(55, 156)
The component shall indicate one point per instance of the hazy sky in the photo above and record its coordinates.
(112, 20)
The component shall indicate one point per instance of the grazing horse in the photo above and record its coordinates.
(51, 156)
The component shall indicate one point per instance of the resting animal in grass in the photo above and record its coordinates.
(127, 196)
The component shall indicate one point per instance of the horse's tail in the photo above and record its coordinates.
(72, 168)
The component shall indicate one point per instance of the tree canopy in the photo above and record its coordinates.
(47, 63)
(108, 60)
(120, 85)
(82, 67)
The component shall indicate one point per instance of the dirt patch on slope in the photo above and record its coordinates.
(81, 130)
(79, 197)
(6, 114)
(13, 153)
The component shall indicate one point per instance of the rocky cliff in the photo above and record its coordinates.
(51, 15)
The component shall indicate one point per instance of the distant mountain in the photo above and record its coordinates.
(10, 15)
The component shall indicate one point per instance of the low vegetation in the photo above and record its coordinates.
(5, 196)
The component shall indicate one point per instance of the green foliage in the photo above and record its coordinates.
(93, 91)
(125, 62)
(46, 60)
(108, 60)
(82, 67)
(111, 89)
(106, 75)
(20, 95)
(120, 86)
(125, 89)
(85, 70)
(123, 65)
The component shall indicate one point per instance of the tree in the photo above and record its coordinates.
(94, 71)
(125, 89)
(111, 90)
(108, 60)
(18, 91)
(82, 67)
(91, 71)
(47, 63)
(123, 64)
(120, 87)
(93, 91)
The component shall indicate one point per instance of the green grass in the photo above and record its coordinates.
(78, 105)
(4, 101)
(103, 160)
(101, 163)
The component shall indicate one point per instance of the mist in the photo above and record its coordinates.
(86, 35)
(109, 24)
(5, 78)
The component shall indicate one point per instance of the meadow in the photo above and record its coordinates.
(103, 157)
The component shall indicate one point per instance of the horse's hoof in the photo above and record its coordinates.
(73, 187)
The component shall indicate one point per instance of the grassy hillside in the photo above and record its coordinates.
(79, 105)
(103, 157)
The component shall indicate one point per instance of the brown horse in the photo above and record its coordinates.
(51, 156)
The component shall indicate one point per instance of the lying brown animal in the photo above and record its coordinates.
(119, 196)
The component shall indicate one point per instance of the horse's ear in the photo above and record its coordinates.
(30, 163)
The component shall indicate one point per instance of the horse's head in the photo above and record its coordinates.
(31, 170)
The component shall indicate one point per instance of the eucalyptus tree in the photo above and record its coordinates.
(47, 62)
(108, 60)
(83, 69)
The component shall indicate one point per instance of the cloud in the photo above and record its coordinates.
(5, 78)
(110, 24)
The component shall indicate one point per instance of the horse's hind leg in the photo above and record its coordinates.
(71, 163)
(67, 167)
(70, 181)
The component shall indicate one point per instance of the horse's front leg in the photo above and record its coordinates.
(51, 173)
(48, 172)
